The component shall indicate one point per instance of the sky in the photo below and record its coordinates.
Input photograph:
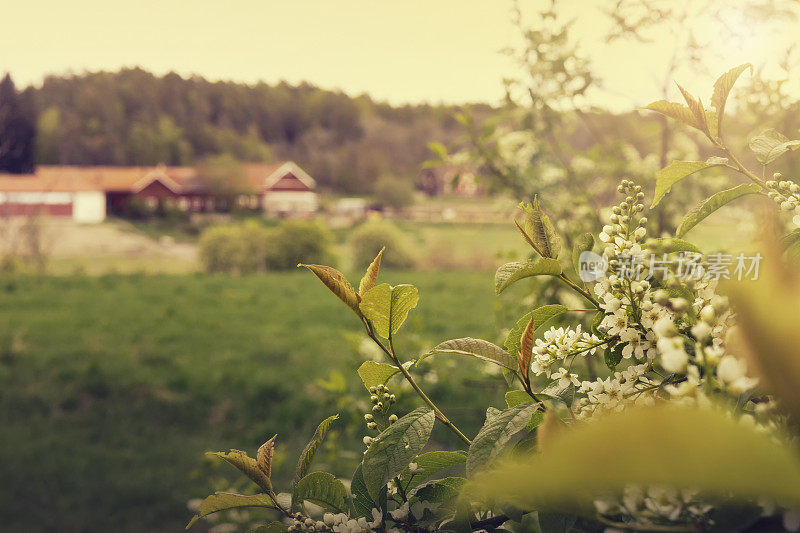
(395, 50)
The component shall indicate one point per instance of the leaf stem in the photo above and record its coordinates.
(739, 167)
(391, 354)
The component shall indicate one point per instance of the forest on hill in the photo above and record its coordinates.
(134, 117)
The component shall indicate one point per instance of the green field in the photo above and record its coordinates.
(112, 387)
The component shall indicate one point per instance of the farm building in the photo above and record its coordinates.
(450, 180)
(88, 194)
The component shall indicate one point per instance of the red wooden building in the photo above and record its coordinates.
(89, 193)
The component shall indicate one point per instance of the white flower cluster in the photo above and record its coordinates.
(660, 322)
(656, 504)
(558, 343)
(627, 229)
(784, 193)
(341, 523)
(615, 392)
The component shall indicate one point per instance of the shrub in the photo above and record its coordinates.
(369, 238)
(298, 241)
(395, 193)
(250, 247)
(219, 248)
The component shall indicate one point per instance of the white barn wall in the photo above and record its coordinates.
(89, 207)
(290, 202)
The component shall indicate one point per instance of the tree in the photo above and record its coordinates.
(17, 130)
(396, 193)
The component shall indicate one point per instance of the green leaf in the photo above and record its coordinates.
(676, 171)
(735, 517)
(311, 448)
(598, 318)
(669, 245)
(584, 243)
(438, 149)
(496, 433)
(556, 522)
(511, 272)
(392, 450)
(321, 488)
(373, 374)
(247, 466)
(555, 391)
(722, 87)
(430, 463)
(222, 501)
(791, 243)
(769, 145)
(679, 112)
(441, 490)
(516, 397)
(370, 278)
(613, 356)
(697, 109)
(540, 230)
(337, 283)
(477, 348)
(708, 206)
(647, 447)
(363, 504)
(387, 307)
(542, 315)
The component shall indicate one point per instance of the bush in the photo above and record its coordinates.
(298, 241)
(369, 238)
(220, 248)
(395, 193)
(250, 247)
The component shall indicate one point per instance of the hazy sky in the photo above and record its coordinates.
(398, 50)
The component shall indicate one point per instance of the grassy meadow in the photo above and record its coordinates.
(112, 387)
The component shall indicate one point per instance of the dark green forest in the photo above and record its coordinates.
(133, 117)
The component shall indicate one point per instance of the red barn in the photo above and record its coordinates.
(87, 194)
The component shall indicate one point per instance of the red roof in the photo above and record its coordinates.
(258, 176)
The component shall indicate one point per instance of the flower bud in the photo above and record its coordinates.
(375, 408)
(372, 425)
(720, 304)
(679, 305)
(373, 390)
(701, 331)
(393, 419)
(373, 399)
(368, 417)
(707, 314)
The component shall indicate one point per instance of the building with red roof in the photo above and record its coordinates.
(89, 194)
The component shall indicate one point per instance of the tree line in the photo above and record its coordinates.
(134, 117)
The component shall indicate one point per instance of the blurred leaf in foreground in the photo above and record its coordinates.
(669, 446)
(770, 327)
